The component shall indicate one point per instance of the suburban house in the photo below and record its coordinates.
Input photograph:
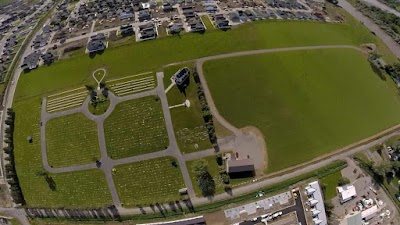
(196, 25)
(234, 17)
(126, 29)
(97, 43)
(31, 61)
(188, 11)
(250, 14)
(126, 16)
(167, 7)
(316, 202)
(144, 15)
(48, 58)
(181, 76)
(147, 32)
(240, 168)
(346, 193)
(175, 27)
(221, 22)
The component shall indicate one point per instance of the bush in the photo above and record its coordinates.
(343, 181)
(225, 178)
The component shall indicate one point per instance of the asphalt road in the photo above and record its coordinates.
(389, 42)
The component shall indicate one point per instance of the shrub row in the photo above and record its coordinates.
(207, 116)
(10, 172)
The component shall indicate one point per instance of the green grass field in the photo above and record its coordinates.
(125, 60)
(207, 22)
(331, 182)
(86, 189)
(5, 2)
(188, 122)
(72, 140)
(136, 127)
(148, 182)
(306, 103)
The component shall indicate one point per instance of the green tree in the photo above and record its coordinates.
(382, 168)
(200, 167)
(343, 181)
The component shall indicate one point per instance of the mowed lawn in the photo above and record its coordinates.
(148, 182)
(306, 103)
(136, 127)
(85, 189)
(149, 56)
(189, 126)
(72, 140)
(331, 182)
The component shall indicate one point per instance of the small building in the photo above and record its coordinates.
(369, 213)
(181, 76)
(240, 167)
(346, 193)
(31, 61)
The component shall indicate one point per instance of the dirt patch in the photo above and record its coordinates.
(5, 200)
(369, 47)
(216, 218)
(262, 148)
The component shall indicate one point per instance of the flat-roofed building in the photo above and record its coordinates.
(346, 193)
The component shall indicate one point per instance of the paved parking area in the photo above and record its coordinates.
(251, 208)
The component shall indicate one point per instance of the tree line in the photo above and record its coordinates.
(10, 172)
(207, 116)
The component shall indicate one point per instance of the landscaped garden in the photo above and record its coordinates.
(306, 103)
(71, 140)
(99, 105)
(148, 182)
(189, 126)
(136, 127)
